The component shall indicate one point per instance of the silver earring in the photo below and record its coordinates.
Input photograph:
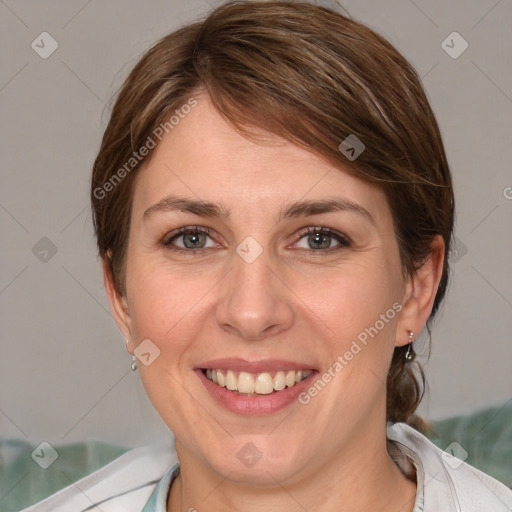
(409, 354)
(134, 364)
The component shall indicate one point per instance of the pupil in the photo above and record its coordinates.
(320, 240)
(193, 240)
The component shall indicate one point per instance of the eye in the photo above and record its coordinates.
(189, 238)
(321, 239)
(318, 239)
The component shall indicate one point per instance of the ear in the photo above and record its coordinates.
(119, 307)
(420, 292)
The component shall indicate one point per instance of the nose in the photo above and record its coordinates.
(254, 302)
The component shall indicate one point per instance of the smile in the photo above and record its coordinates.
(249, 384)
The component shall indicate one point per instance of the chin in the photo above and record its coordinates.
(256, 461)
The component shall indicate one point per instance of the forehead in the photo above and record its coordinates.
(205, 157)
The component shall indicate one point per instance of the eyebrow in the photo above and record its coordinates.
(184, 204)
(339, 204)
(293, 210)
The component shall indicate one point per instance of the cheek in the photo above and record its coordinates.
(162, 304)
(167, 309)
(350, 300)
(357, 308)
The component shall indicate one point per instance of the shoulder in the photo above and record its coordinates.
(124, 485)
(448, 483)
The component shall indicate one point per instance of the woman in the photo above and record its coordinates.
(274, 210)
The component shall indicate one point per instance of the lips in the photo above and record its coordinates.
(255, 404)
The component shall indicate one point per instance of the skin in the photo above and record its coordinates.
(294, 302)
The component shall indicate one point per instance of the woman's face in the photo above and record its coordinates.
(288, 264)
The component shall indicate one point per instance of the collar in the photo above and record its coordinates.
(158, 500)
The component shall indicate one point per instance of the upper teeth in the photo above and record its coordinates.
(261, 383)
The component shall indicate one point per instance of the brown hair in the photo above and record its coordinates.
(313, 77)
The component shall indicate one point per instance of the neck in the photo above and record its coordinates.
(363, 477)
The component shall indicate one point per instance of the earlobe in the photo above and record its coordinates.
(119, 306)
(420, 293)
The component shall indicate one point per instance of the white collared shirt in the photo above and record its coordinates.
(139, 481)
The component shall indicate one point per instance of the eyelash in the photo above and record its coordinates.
(343, 240)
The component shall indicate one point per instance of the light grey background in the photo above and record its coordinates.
(64, 372)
